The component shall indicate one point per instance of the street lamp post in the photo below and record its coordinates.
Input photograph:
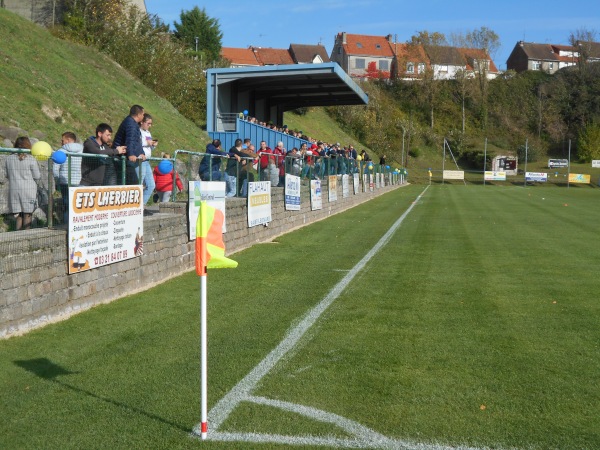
(196, 39)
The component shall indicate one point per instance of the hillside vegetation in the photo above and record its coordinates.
(50, 86)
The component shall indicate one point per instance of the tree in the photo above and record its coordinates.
(426, 38)
(588, 144)
(483, 43)
(582, 39)
(430, 86)
(196, 24)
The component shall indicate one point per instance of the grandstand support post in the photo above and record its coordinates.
(525, 171)
(203, 360)
(484, 159)
(569, 166)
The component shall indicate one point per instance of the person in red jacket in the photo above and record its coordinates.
(164, 184)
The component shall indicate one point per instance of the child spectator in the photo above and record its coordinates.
(164, 183)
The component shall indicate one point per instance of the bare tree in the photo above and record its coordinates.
(480, 47)
(583, 40)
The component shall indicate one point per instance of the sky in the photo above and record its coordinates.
(277, 24)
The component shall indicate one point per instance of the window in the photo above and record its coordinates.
(536, 65)
(550, 66)
(359, 63)
(377, 46)
(384, 64)
(410, 68)
(444, 68)
(421, 68)
(339, 50)
(358, 45)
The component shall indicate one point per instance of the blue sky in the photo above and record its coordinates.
(268, 23)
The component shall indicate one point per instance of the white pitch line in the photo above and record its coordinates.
(241, 391)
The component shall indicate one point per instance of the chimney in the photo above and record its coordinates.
(344, 37)
(521, 43)
(389, 38)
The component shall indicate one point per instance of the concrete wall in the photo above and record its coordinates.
(35, 288)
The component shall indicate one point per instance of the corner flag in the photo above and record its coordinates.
(210, 249)
(210, 253)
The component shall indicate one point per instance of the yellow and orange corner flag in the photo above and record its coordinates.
(210, 249)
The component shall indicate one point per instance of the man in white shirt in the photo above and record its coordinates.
(148, 144)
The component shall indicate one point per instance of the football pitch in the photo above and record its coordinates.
(430, 317)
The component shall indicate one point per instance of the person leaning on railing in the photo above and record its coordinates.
(210, 166)
(92, 170)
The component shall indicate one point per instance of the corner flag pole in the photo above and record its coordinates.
(210, 253)
(203, 360)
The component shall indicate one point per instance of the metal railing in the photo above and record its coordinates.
(47, 191)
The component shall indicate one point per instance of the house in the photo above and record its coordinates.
(261, 56)
(478, 61)
(272, 56)
(358, 53)
(546, 57)
(240, 57)
(445, 61)
(308, 54)
(410, 61)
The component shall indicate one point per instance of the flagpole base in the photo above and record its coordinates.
(204, 430)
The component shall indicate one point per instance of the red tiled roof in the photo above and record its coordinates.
(471, 54)
(273, 56)
(240, 56)
(361, 44)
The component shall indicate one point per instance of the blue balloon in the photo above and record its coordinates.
(387, 167)
(245, 112)
(165, 167)
(59, 157)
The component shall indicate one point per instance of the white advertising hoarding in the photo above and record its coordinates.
(536, 176)
(316, 200)
(494, 176)
(292, 192)
(345, 186)
(332, 187)
(106, 225)
(454, 174)
(213, 193)
(259, 203)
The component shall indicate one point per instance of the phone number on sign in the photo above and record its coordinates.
(110, 257)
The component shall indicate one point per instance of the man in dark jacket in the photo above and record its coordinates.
(92, 169)
(210, 166)
(129, 135)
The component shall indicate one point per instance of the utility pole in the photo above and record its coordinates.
(196, 39)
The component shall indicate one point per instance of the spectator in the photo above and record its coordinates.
(263, 153)
(164, 183)
(68, 173)
(210, 166)
(231, 171)
(382, 161)
(365, 156)
(22, 172)
(245, 175)
(129, 136)
(148, 144)
(279, 158)
(294, 161)
(92, 170)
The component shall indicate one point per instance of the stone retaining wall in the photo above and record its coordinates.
(36, 289)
